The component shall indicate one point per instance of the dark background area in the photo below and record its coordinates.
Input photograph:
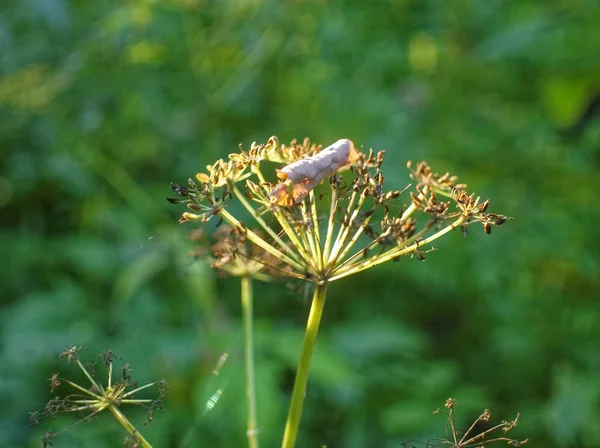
(103, 103)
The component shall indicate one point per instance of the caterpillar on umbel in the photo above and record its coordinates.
(300, 177)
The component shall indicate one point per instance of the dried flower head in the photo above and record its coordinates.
(475, 436)
(329, 235)
(230, 252)
(98, 397)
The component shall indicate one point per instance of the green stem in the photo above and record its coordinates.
(310, 338)
(247, 314)
(392, 253)
(129, 426)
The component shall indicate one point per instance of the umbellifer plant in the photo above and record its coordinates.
(118, 391)
(327, 235)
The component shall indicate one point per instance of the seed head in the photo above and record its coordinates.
(97, 397)
(324, 234)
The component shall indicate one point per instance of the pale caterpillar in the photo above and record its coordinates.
(300, 177)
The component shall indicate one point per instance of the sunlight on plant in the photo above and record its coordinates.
(320, 238)
(328, 235)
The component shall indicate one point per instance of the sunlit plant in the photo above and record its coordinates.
(321, 235)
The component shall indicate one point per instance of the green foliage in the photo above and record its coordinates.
(103, 103)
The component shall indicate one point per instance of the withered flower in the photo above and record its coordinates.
(232, 254)
(98, 397)
(473, 438)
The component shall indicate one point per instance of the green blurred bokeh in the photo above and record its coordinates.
(102, 104)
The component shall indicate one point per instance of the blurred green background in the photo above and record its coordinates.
(103, 103)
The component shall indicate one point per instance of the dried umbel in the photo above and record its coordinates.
(474, 436)
(351, 226)
(232, 254)
(118, 391)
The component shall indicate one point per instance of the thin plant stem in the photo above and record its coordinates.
(259, 241)
(337, 241)
(291, 234)
(412, 207)
(345, 230)
(247, 315)
(393, 253)
(310, 338)
(85, 391)
(264, 225)
(330, 224)
(361, 253)
(135, 391)
(98, 386)
(110, 367)
(129, 426)
(315, 227)
(355, 238)
(310, 236)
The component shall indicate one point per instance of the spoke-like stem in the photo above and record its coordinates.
(289, 231)
(97, 408)
(129, 426)
(136, 401)
(110, 370)
(264, 225)
(310, 236)
(330, 224)
(301, 246)
(355, 238)
(98, 386)
(412, 207)
(134, 391)
(310, 337)
(81, 389)
(341, 240)
(247, 315)
(343, 226)
(360, 253)
(315, 228)
(393, 253)
(260, 242)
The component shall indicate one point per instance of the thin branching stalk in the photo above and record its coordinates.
(247, 315)
(393, 253)
(264, 225)
(98, 397)
(124, 421)
(259, 241)
(330, 224)
(310, 337)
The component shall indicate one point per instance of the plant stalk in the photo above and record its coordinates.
(310, 338)
(129, 426)
(247, 315)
